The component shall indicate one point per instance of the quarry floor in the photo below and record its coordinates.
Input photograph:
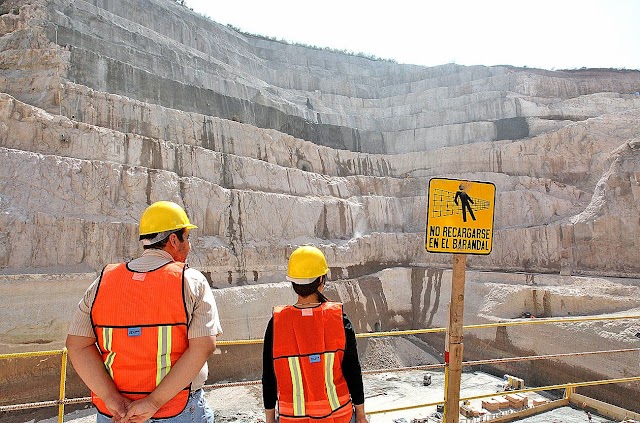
(382, 391)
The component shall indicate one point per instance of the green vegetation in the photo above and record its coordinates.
(5, 9)
(283, 41)
(332, 50)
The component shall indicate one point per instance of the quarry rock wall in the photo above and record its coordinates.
(98, 181)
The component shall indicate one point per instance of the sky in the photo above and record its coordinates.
(547, 34)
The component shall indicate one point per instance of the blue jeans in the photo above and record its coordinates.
(196, 411)
(353, 418)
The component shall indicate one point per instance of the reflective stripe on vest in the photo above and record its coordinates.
(308, 347)
(331, 387)
(140, 321)
(298, 388)
(107, 336)
(164, 353)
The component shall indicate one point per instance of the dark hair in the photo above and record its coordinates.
(161, 244)
(311, 288)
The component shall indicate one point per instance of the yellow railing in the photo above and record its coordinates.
(564, 386)
(63, 382)
(62, 401)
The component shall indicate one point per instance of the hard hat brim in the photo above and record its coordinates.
(301, 281)
(162, 235)
(188, 226)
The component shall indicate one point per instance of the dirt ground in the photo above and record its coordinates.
(382, 391)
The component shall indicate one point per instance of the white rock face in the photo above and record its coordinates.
(108, 106)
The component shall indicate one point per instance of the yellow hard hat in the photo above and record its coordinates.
(164, 216)
(306, 264)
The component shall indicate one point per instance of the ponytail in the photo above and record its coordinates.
(312, 288)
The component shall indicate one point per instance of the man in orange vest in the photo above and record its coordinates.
(143, 332)
(310, 357)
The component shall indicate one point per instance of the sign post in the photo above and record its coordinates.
(459, 221)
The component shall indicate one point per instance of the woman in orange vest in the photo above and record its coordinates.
(310, 357)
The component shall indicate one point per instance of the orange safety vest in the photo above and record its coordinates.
(308, 347)
(140, 323)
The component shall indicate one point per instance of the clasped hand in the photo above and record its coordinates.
(124, 410)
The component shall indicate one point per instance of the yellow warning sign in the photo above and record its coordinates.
(460, 216)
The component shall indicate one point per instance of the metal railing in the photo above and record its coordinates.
(62, 401)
